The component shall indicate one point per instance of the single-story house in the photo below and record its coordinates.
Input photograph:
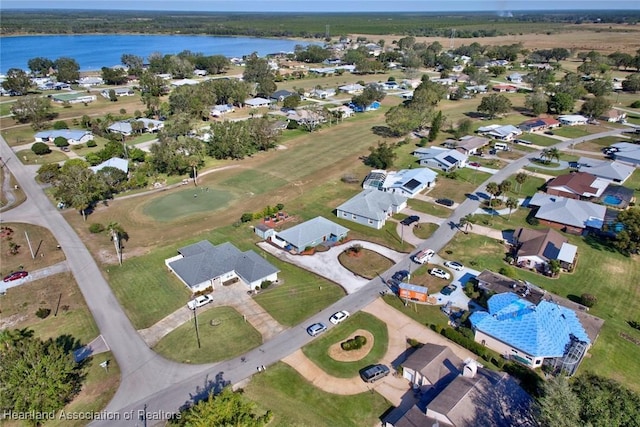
(119, 91)
(505, 88)
(409, 182)
(73, 136)
(114, 162)
(280, 95)
(430, 365)
(342, 111)
(371, 207)
(125, 127)
(573, 120)
(627, 152)
(538, 124)
(577, 185)
(477, 89)
(531, 334)
(310, 234)
(359, 109)
(465, 395)
(468, 144)
(612, 171)
(305, 116)
(184, 82)
(90, 81)
(515, 77)
(614, 115)
(503, 133)
(73, 98)
(203, 266)
(351, 89)
(536, 248)
(257, 102)
(322, 93)
(219, 110)
(440, 158)
(570, 215)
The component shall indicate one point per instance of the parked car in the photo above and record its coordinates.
(474, 164)
(410, 220)
(16, 275)
(400, 275)
(316, 328)
(423, 256)
(454, 265)
(199, 301)
(445, 202)
(438, 272)
(373, 373)
(448, 290)
(339, 317)
(523, 141)
(548, 132)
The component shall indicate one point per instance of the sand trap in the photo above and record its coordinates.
(337, 353)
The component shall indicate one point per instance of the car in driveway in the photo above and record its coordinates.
(410, 220)
(316, 329)
(16, 275)
(454, 265)
(475, 164)
(445, 202)
(199, 301)
(423, 256)
(449, 289)
(373, 373)
(400, 275)
(440, 273)
(339, 317)
(548, 132)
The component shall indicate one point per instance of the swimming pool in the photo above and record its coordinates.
(612, 200)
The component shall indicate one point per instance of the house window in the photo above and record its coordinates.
(538, 362)
(514, 351)
(354, 217)
(370, 221)
(344, 214)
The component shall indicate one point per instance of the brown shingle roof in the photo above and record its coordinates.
(433, 361)
(544, 243)
(578, 182)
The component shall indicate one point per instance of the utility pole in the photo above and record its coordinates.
(29, 243)
(195, 320)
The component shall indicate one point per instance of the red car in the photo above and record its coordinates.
(474, 164)
(15, 276)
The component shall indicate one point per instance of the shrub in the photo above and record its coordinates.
(509, 272)
(246, 217)
(588, 300)
(414, 343)
(61, 141)
(354, 343)
(96, 228)
(533, 221)
(92, 143)
(265, 284)
(634, 324)
(635, 104)
(60, 124)
(40, 148)
(42, 312)
(279, 206)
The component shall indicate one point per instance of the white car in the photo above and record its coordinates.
(199, 301)
(423, 256)
(454, 265)
(440, 273)
(339, 317)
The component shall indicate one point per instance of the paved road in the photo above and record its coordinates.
(151, 382)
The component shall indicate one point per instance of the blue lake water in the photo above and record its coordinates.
(92, 52)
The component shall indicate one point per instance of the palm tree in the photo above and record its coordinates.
(505, 186)
(466, 222)
(493, 189)
(521, 177)
(553, 153)
(511, 203)
(117, 234)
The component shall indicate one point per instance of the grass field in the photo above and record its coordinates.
(429, 208)
(424, 230)
(453, 189)
(42, 241)
(224, 334)
(28, 157)
(543, 141)
(573, 131)
(317, 350)
(366, 264)
(187, 202)
(611, 277)
(296, 402)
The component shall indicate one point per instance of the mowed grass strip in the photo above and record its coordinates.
(300, 296)
(296, 402)
(429, 208)
(366, 263)
(317, 351)
(608, 275)
(253, 181)
(224, 334)
(187, 202)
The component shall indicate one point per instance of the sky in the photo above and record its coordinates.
(323, 5)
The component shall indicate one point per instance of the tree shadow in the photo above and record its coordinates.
(475, 115)
(209, 387)
(68, 343)
(383, 131)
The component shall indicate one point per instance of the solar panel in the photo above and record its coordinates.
(412, 184)
(452, 160)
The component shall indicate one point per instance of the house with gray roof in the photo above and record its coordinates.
(532, 334)
(440, 158)
(203, 266)
(569, 215)
(627, 152)
(114, 162)
(409, 182)
(501, 132)
(469, 144)
(257, 102)
(431, 364)
(73, 136)
(310, 234)
(613, 171)
(125, 127)
(371, 207)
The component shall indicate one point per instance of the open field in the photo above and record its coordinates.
(187, 201)
(611, 277)
(296, 402)
(224, 334)
(28, 157)
(317, 350)
(42, 241)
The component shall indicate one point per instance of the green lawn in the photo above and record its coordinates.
(296, 402)
(250, 182)
(536, 139)
(424, 230)
(224, 334)
(188, 201)
(317, 350)
(611, 277)
(424, 314)
(529, 187)
(28, 157)
(429, 208)
(453, 189)
(571, 131)
(366, 263)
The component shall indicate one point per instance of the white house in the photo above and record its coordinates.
(352, 89)
(257, 102)
(409, 182)
(573, 120)
(440, 158)
(114, 162)
(73, 136)
(501, 132)
(371, 207)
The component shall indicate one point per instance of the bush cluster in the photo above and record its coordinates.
(43, 312)
(354, 343)
(96, 228)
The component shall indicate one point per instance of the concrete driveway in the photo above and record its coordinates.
(41, 273)
(326, 264)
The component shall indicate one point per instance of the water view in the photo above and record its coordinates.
(92, 52)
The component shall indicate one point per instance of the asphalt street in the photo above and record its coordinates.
(156, 387)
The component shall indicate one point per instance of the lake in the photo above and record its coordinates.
(92, 52)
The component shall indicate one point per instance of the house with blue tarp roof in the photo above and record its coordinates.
(546, 333)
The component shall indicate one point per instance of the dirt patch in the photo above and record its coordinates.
(337, 353)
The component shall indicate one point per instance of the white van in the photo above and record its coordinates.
(423, 256)
(501, 146)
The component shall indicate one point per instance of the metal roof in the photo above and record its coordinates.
(372, 204)
(302, 235)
